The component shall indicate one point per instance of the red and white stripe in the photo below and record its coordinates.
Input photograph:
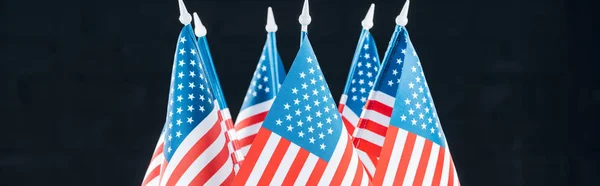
(152, 176)
(202, 158)
(348, 116)
(409, 159)
(277, 161)
(248, 123)
(232, 139)
(372, 127)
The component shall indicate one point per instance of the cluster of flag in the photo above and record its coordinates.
(289, 131)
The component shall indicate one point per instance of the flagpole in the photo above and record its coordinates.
(271, 28)
(304, 20)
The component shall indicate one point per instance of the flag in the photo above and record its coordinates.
(215, 84)
(266, 80)
(361, 79)
(193, 145)
(302, 139)
(415, 151)
(374, 119)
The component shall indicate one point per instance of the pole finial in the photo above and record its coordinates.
(367, 23)
(184, 16)
(304, 18)
(199, 28)
(271, 25)
(402, 19)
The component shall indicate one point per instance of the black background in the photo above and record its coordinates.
(86, 82)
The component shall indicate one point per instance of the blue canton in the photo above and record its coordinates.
(414, 110)
(268, 76)
(389, 76)
(190, 100)
(361, 79)
(304, 111)
(211, 72)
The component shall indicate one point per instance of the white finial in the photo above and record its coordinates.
(402, 19)
(271, 26)
(304, 18)
(184, 16)
(199, 29)
(367, 23)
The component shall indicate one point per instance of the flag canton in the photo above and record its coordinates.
(389, 77)
(414, 110)
(304, 111)
(190, 99)
(362, 79)
(265, 80)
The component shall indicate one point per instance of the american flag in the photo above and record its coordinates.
(415, 151)
(361, 80)
(375, 118)
(266, 80)
(192, 146)
(302, 140)
(227, 122)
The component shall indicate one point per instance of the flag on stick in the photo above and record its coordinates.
(266, 80)
(302, 140)
(415, 151)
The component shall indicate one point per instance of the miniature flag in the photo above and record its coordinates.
(302, 140)
(266, 80)
(415, 151)
(215, 84)
(192, 146)
(361, 79)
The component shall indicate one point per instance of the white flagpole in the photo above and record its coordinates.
(402, 18)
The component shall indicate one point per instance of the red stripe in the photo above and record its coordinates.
(229, 179)
(420, 175)
(373, 126)
(437, 175)
(199, 147)
(359, 173)
(386, 153)
(370, 148)
(377, 106)
(451, 175)
(153, 174)
(317, 172)
(349, 125)
(247, 140)
(212, 167)
(296, 167)
(257, 118)
(274, 162)
(405, 158)
(340, 172)
(252, 156)
(158, 151)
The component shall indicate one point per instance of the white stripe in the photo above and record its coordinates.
(433, 158)
(245, 149)
(376, 117)
(343, 99)
(307, 169)
(153, 162)
(249, 130)
(351, 171)
(154, 182)
(350, 115)
(394, 162)
(336, 157)
(219, 177)
(253, 110)
(456, 181)
(369, 136)
(236, 168)
(263, 159)
(382, 98)
(200, 163)
(156, 162)
(445, 168)
(413, 163)
(185, 146)
(226, 114)
(367, 163)
(365, 179)
(286, 163)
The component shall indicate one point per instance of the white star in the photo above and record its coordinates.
(432, 130)
(192, 62)
(278, 121)
(265, 79)
(315, 92)
(191, 96)
(179, 98)
(370, 83)
(423, 126)
(301, 134)
(368, 65)
(180, 86)
(309, 60)
(290, 128)
(418, 79)
(254, 94)
(329, 131)
(307, 107)
(321, 135)
(394, 72)
(179, 122)
(418, 106)
(327, 109)
(430, 120)
(414, 69)
(411, 112)
(322, 87)
(182, 51)
(202, 86)
(411, 85)
(313, 81)
(369, 74)
(403, 117)
(312, 140)
(202, 97)
(181, 63)
(323, 146)
(190, 120)
(421, 89)
(260, 87)
(267, 89)
(308, 118)
(192, 73)
(304, 86)
(413, 121)
(298, 112)
(366, 46)
(193, 52)
(178, 134)
(398, 61)
(263, 68)
(353, 89)
(325, 98)
(170, 137)
(201, 109)
(311, 70)
(288, 117)
(179, 110)
(305, 96)
(367, 56)
(403, 51)
(426, 110)
(182, 40)
(302, 74)
(296, 101)
(191, 85)
(414, 95)
(406, 101)
(190, 108)
(319, 125)
(169, 150)
(361, 81)
(360, 73)
(263, 57)
(318, 113)
(300, 123)
(390, 83)
(286, 106)
(181, 75)
(424, 100)
(421, 116)
(363, 99)
(414, 53)
(328, 120)
(294, 91)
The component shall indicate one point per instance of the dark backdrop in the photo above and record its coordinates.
(86, 82)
